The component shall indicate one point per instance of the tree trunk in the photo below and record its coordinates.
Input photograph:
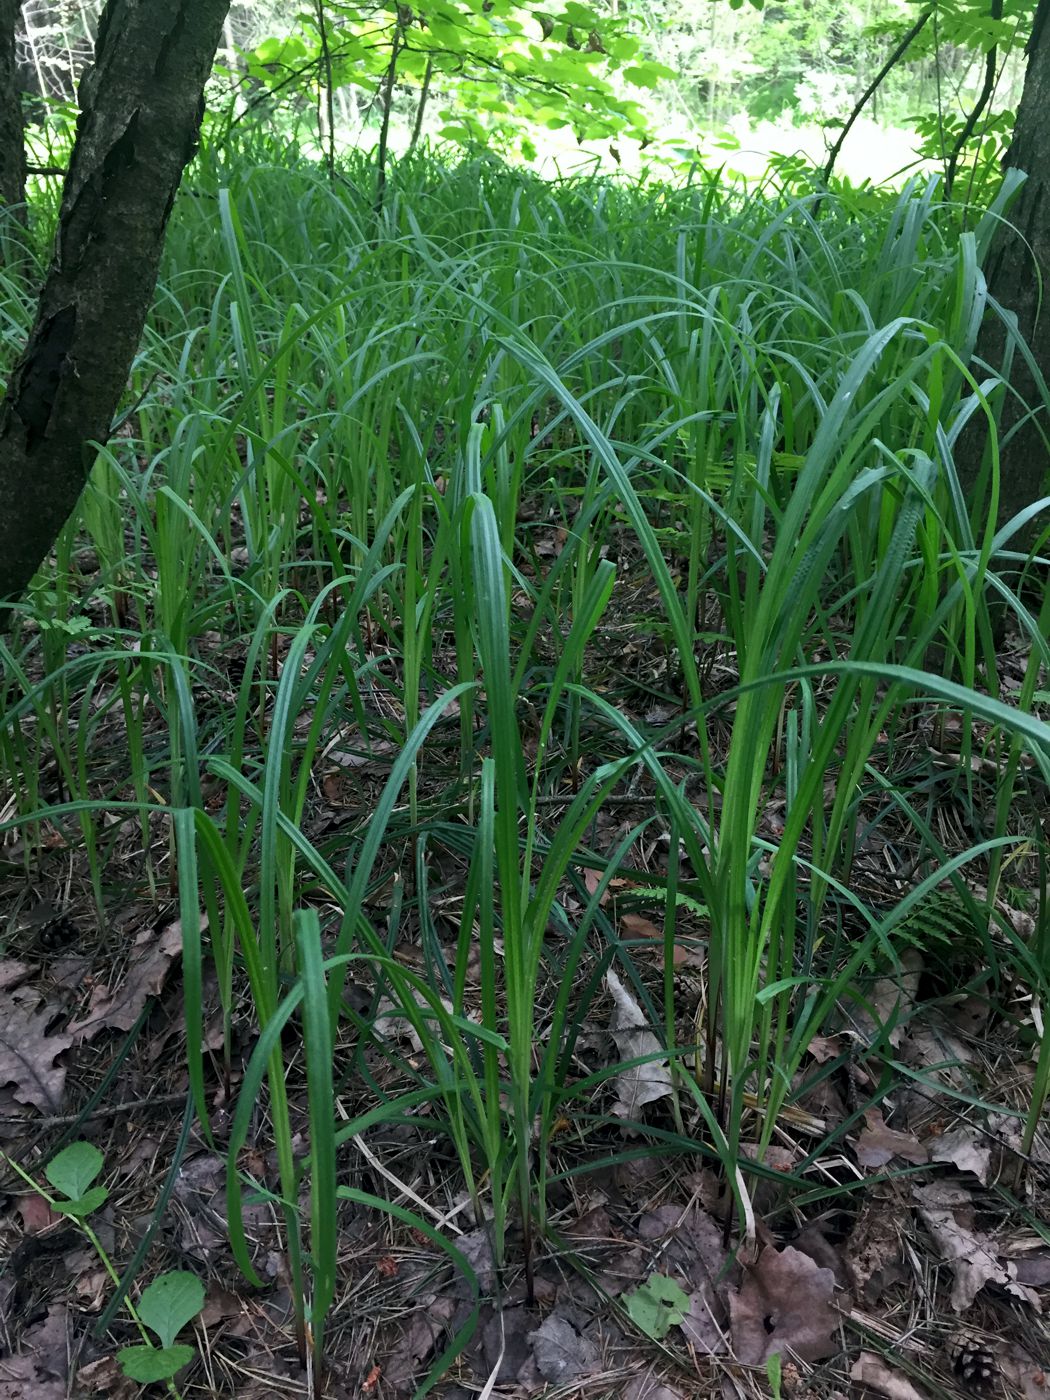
(141, 108)
(1015, 268)
(12, 144)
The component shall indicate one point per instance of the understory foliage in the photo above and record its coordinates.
(568, 521)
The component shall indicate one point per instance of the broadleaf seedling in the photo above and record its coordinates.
(166, 1305)
(657, 1305)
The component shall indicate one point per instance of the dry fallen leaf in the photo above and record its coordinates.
(825, 1047)
(104, 1377)
(40, 1370)
(651, 938)
(638, 926)
(941, 1057)
(947, 1212)
(505, 1355)
(966, 1149)
(785, 1301)
(12, 973)
(878, 1144)
(1027, 1379)
(560, 1352)
(118, 1008)
(872, 1371)
(1033, 1267)
(691, 1251)
(873, 1253)
(28, 1052)
(36, 1214)
(638, 1084)
(417, 1342)
(650, 1388)
(892, 998)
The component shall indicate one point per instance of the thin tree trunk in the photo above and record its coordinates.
(983, 98)
(880, 77)
(329, 93)
(141, 108)
(1018, 273)
(421, 106)
(387, 102)
(12, 143)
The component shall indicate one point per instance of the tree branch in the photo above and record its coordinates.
(984, 97)
(880, 77)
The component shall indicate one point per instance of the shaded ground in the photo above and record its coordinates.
(904, 1251)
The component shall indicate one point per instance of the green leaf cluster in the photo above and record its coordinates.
(167, 1304)
(501, 66)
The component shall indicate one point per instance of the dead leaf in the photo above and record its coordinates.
(118, 1008)
(560, 1352)
(1033, 1268)
(12, 973)
(785, 1301)
(691, 1251)
(892, 998)
(703, 1325)
(505, 1352)
(873, 1252)
(947, 1212)
(812, 1240)
(90, 1287)
(651, 938)
(20, 1380)
(879, 1144)
(104, 1377)
(28, 1053)
(69, 973)
(593, 1224)
(638, 926)
(872, 1371)
(931, 1047)
(637, 1085)
(1026, 1378)
(220, 1305)
(476, 1248)
(825, 1047)
(40, 1370)
(650, 1388)
(416, 1344)
(36, 1214)
(965, 1149)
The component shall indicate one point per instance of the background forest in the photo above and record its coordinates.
(524, 699)
(706, 76)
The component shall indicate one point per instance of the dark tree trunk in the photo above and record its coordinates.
(1014, 270)
(12, 144)
(141, 107)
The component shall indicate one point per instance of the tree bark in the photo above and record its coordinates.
(1016, 266)
(12, 143)
(141, 107)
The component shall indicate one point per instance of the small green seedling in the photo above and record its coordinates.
(657, 1306)
(774, 1374)
(166, 1305)
(72, 1172)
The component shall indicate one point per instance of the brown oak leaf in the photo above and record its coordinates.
(785, 1301)
(28, 1052)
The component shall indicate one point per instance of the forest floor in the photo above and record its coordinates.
(728, 417)
(909, 1257)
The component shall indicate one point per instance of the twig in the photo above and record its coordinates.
(983, 98)
(873, 86)
(60, 1120)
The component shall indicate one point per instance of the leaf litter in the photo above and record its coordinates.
(914, 1215)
